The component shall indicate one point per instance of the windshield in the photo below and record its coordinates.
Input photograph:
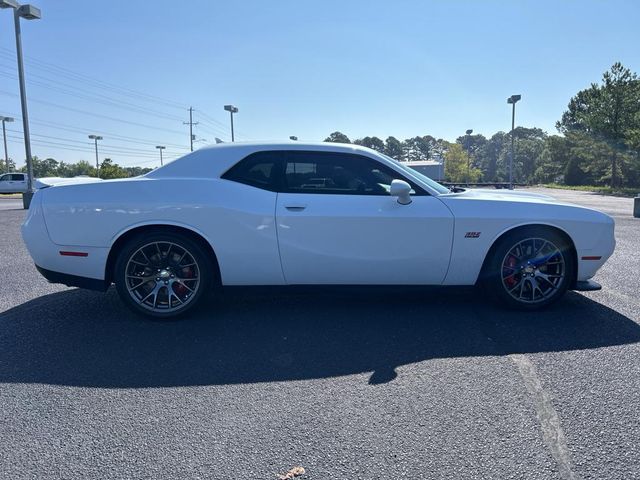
(419, 176)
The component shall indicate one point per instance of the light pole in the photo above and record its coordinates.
(513, 99)
(4, 136)
(160, 147)
(95, 139)
(468, 132)
(231, 109)
(28, 12)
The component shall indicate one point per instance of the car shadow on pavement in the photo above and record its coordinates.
(89, 339)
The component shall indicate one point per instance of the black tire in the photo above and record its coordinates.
(505, 277)
(178, 286)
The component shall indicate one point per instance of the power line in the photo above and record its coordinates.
(84, 112)
(215, 126)
(115, 136)
(88, 149)
(97, 98)
(82, 142)
(124, 91)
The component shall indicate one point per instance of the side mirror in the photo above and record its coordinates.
(401, 189)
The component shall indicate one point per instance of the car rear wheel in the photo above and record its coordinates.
(162, 275)
(530, 268)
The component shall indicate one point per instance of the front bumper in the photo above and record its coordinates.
(586, 286)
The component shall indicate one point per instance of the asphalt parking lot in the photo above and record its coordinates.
(418, 384)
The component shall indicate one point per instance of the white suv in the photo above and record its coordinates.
(13, 183)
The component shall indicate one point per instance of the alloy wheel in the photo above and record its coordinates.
(533, 270)
(162, 276)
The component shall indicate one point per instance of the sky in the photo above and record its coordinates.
(129, 70)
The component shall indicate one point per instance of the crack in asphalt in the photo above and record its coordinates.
(552, 432)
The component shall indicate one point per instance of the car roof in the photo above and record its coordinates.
(216, 159)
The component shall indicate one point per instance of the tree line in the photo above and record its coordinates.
(50, 167)
(599, 143)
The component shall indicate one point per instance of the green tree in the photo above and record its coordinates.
(417, 148)
(109, 170)
(393, 148)
(371, 142)
(457, 165)
(11, 165)
(492, 154)
(80, 168)
(43, 168)
(608, 112)
(136, 171)
(474, 145)
(337, 137)
(553, 161)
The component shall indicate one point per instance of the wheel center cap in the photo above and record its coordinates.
(164, 274)
(529, 269)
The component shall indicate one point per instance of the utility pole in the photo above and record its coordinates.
(191, 124)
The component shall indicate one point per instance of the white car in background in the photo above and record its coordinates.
(312, 214)
(13, 183)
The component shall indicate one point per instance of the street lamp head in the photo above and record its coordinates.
(95, 137)
(6, 119)
(469, 132)
(293, 137)
(161, 147)
(513, 98)
(29, 12)
(9, 4)
(231, 108)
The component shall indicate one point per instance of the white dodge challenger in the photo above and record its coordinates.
(307, 214)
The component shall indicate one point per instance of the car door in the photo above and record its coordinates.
(4, 183)
(19, 182)
(337, 224)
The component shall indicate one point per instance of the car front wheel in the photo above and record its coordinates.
(530, 268)
(163, 274)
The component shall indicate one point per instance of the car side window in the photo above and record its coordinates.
(18, 177)
(338, 174)
(4, 178)
(258, 170)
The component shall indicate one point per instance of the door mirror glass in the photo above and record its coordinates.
(402, 190)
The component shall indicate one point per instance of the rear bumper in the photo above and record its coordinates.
(48, 257)
(73, 280)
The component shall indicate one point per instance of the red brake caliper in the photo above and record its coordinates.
(187, 272)
(510, 280)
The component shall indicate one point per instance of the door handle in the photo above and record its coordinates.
(295, 208)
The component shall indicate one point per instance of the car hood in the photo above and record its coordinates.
(536, 204)
(507, 194)
(513, 195)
